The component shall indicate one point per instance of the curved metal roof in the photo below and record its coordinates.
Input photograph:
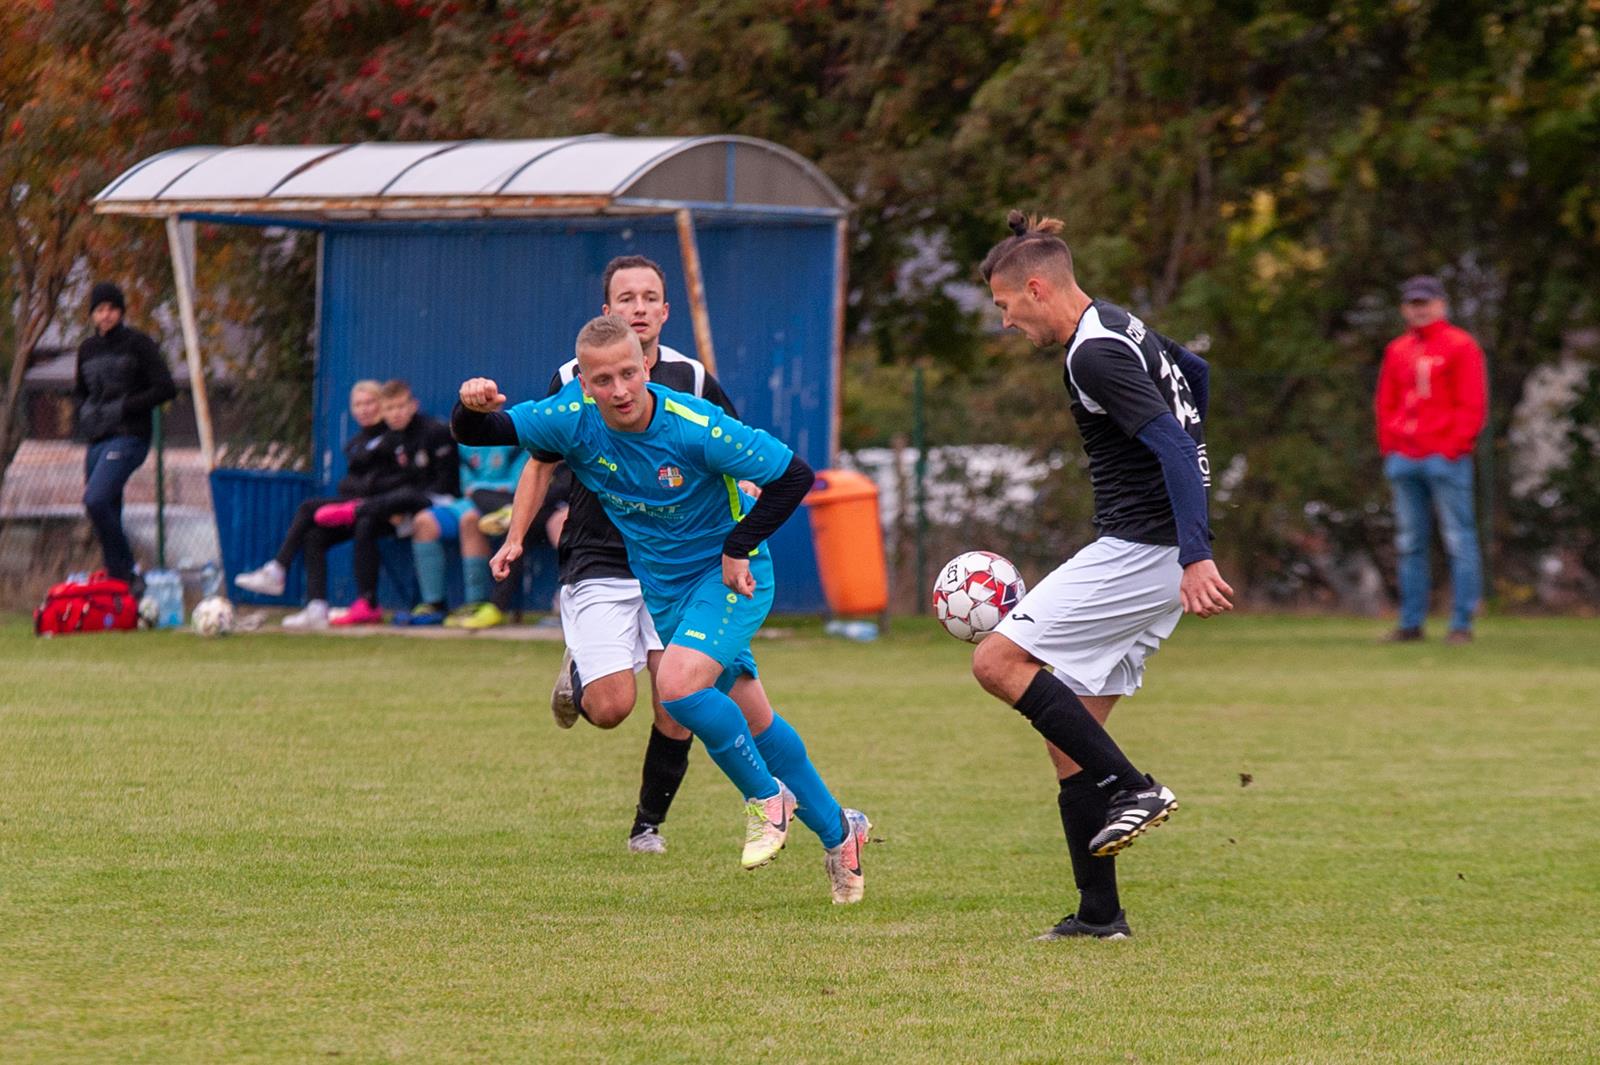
(565, 175)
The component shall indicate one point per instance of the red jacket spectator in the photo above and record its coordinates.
(1431, 393)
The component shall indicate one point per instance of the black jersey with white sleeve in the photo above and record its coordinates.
(1120, 376)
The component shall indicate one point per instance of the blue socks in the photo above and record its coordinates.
(785, 754)
(475, 579)
(719, 724)
(429, 560)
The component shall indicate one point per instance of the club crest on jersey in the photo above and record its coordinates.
(670, 477)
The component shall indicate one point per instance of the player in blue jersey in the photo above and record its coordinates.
(665, 467)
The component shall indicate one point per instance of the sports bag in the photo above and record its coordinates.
(97, 604)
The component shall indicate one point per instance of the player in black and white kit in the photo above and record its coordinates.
(608, 631)
(1139, 401)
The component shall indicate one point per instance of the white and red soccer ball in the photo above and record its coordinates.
(973, 592)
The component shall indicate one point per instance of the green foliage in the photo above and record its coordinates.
(1260, 173)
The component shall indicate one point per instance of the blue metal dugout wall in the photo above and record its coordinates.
(436, 302)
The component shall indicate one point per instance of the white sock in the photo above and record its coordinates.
(274, 567)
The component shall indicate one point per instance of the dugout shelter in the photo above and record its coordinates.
(442, 259)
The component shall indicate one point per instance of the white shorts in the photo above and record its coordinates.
(1099, 615)
(606, 627)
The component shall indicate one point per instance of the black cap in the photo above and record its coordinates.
(1421, 287)
(107, 292)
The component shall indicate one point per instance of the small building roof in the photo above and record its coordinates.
(598, 174)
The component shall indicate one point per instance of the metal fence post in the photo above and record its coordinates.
(920, 443)
(161, 488)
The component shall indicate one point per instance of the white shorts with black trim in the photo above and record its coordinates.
(1099, 615)
(606, 627)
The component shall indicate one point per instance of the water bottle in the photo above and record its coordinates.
(167, 588)
(210, 580)
(860, 631)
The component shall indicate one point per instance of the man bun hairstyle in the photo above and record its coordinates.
(629, 262)
(604, 332)
(1033, 248)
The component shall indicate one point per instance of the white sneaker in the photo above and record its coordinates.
(843, 863)
(563, 707)
(647, 840)
(766, 827)
(268, 580)
(313, 617)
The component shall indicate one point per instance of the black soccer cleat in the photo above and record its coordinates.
(1131, 813)
(1071, 927)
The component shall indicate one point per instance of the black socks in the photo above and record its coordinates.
(1083, 813)
(1060, 717)
(665, 762)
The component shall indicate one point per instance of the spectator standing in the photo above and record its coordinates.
(1430, 409)
(121, 378)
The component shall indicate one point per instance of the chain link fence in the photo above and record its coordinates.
(45, 534)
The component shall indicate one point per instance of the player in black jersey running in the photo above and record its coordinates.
(1139, 401)
(608, 631)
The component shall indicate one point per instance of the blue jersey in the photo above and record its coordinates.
(671, 490)
(495, 468)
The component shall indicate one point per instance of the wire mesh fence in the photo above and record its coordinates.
(45, 534)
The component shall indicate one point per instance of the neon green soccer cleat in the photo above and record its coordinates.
(766, 827)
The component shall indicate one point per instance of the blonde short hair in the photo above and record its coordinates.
(366, 386)
(604, 332)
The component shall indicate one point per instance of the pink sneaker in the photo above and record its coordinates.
(335, 515)
(361, 612)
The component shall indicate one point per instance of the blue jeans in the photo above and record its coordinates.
(1423, 487)
(106, 469)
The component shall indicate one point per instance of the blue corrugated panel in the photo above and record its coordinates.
(253, 509)
(436, 303)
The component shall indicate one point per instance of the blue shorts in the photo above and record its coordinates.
(715, 621)
(449, 516)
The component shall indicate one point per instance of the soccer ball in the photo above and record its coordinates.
(973, 592)
(149, 612)
(213, 616)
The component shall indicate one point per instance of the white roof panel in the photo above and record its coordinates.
(146, 180)
(472, 168)
(598, 166)
(245, 173)
(429, 179)
(364, 170)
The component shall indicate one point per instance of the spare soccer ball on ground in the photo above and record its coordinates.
(973, 592)
(213, 616)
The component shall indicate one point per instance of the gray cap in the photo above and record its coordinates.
(1421, 287)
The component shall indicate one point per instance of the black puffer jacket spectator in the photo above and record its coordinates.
(121, 378)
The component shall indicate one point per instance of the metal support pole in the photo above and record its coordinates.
(695, 280)
(183, 274)
(841, 295)
(159, 426)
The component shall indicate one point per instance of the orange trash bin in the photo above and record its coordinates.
(849, 542)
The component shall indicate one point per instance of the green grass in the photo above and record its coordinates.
(273, 848)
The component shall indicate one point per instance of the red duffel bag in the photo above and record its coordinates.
(99, 604)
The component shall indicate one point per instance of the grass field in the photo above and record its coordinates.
(274, 848)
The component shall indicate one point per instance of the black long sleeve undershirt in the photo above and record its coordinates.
(779, 499)
(482, 429)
